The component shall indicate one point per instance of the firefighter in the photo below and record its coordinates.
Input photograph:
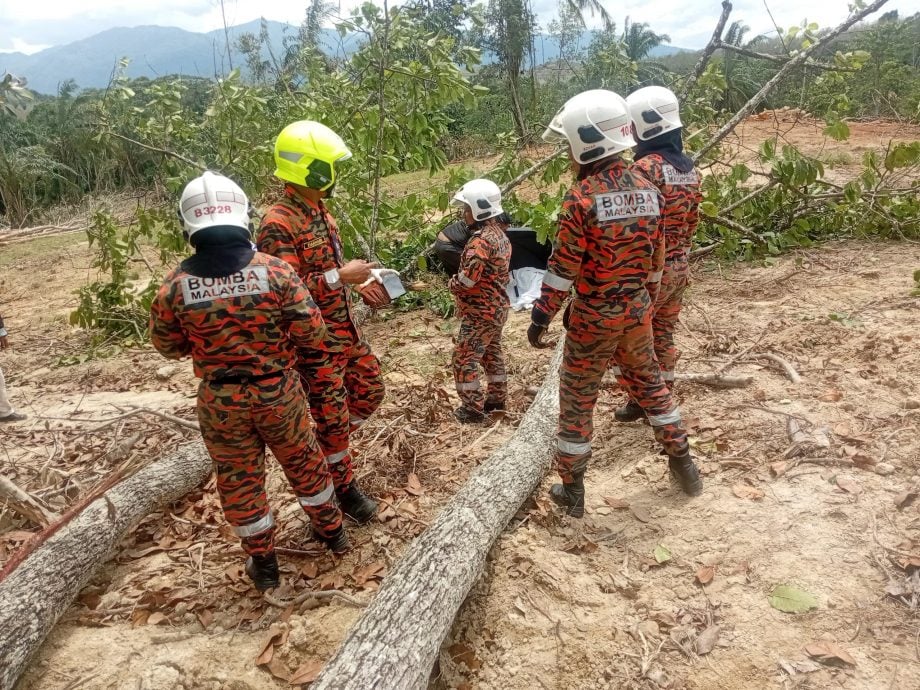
(608, 248)
(480, 289)
(240, 314)
(659, 157)
(342, 376)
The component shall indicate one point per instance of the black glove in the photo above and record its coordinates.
(538, 327)
(567, 315)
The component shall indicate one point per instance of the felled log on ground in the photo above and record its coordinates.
(395, 643)
(41, 588)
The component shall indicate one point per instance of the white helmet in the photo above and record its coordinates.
(654, 110)
(594, 123)
(482, 196)
(212, 200)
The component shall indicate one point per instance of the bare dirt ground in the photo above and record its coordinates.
(811, 485)
(830, 512)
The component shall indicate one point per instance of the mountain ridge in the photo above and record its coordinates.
(156, 51)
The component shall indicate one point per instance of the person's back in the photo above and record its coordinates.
(489, 254)
(245, 324)
(680, 191)
(615, 213)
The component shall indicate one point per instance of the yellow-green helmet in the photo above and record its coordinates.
(306, 153)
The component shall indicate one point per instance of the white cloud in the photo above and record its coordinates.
(688, 22)
(17, 45)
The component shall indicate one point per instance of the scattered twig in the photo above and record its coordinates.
(167, 638)
(482, 437)
(320, 595)
(168, 417)
(791, 373)
(717, 380)
(890, 549)
(731, 362)
(25, 504)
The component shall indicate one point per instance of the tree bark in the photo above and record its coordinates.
(37, 593)
(397, 640)
(711, 47)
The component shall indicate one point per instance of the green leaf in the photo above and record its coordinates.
(837, 130)
(709, 208)
(662, 554)
(792, 600)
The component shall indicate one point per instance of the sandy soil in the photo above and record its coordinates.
(811, 485)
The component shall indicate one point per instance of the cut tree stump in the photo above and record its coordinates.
(41, 588)
(395, 643)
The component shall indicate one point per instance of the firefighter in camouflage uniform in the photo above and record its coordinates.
(479, 288)
(240, 314)
(608, 247)
(342, 376)
(659, 157)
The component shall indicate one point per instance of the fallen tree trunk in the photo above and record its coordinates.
(395, 643)
(35, 595)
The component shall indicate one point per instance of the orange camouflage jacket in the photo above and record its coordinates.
(306, 236)
(480, 284)
(245, 324)
(609, 240)
(682, 197)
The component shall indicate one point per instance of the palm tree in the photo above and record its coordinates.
(741, 79)
(639, 40)
(592, 6)
(14, 95)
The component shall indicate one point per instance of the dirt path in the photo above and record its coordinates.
(559, 608)
(589, 606)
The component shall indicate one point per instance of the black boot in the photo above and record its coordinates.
(337, 542)
(356, 504)
(493, 406)
(630, 412)
(263, 571)
(467, 415)
(570, 496)
(684, 470)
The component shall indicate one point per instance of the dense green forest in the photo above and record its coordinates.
(417, 97)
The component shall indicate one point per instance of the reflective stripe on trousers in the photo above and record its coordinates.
(573, 447)
(336, 458)
(263, 524)
(557, 282)
(317, 499)
(672, 417)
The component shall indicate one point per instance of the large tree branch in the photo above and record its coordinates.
(156, 149)
(782, 60)
(783, 72)
(710, 48)
(533, 170)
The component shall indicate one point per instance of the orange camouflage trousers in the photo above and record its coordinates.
(480, 343)
(619, 333)
(344, 389)
(665, 313)
(237, 421)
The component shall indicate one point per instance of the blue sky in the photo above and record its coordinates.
(31, 26)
